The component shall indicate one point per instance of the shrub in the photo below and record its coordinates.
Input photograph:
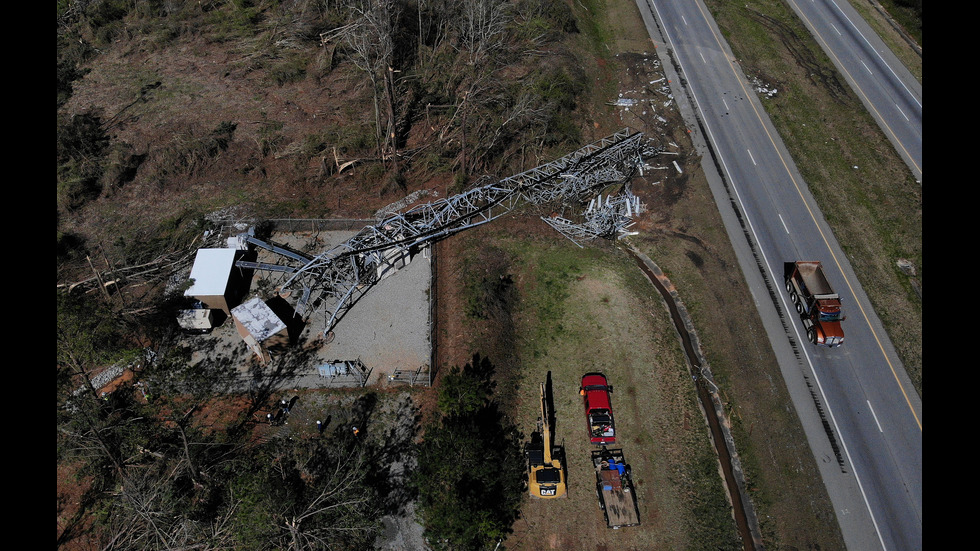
(81, 145)
(290, 69)
(548, 19)
(105, 19)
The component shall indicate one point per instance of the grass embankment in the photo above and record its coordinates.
(576, 310)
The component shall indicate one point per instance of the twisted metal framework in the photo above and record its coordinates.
(607, 218)
(340, 275)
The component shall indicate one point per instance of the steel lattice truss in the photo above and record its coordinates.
(340, 275)
(610, 217)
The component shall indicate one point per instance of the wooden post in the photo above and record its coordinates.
(98, 277)
(114, 281)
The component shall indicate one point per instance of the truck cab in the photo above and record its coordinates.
(598, 409)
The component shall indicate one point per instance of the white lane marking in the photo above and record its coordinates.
(902, 112)
(892, 71)
(875, 416)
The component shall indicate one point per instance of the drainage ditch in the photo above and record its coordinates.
(745, 517)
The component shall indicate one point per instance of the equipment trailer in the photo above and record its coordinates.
(614, 488)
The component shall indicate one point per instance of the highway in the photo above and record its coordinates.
(861, 415)
(888, 90)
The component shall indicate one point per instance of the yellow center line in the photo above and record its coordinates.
(813, 217)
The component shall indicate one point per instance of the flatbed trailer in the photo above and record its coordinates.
(614, 488)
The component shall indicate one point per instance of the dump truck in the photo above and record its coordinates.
(598, 409)
(816, 302)
(545, 461)
(614, 488)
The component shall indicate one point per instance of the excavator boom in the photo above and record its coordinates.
(546, 472)
(547, 427)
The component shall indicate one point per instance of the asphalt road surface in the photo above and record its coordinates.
(888, 90)
(858, 408)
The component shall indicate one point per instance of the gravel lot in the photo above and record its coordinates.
(387, 329)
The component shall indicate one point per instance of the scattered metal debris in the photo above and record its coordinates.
(608, 218)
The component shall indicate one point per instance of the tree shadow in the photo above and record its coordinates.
(394, 458)
(263, 383)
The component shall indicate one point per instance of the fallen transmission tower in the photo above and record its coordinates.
(608, 218)
(338, 277)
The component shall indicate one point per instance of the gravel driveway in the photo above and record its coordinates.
(387, 329)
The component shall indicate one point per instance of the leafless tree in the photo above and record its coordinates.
(143, 517)
(436, 20)
(481, 28)
(523, 113)
(340, 492)
(370, 37)
(480, 34)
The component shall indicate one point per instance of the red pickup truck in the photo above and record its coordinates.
(598, 409)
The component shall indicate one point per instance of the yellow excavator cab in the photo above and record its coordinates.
(546, 471)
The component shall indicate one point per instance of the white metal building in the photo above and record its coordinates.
(211, 278)
(260, 327)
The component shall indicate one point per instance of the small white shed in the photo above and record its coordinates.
(260, 327)
(212, 276)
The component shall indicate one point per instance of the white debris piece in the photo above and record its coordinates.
(625, 102)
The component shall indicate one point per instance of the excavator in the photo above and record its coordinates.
(545, 461)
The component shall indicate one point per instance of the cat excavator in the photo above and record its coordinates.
(545, 461)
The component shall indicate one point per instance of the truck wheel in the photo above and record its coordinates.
(799, 307)
(789, 286)
(811, 335)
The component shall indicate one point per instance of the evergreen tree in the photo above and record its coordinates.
(471, 468)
